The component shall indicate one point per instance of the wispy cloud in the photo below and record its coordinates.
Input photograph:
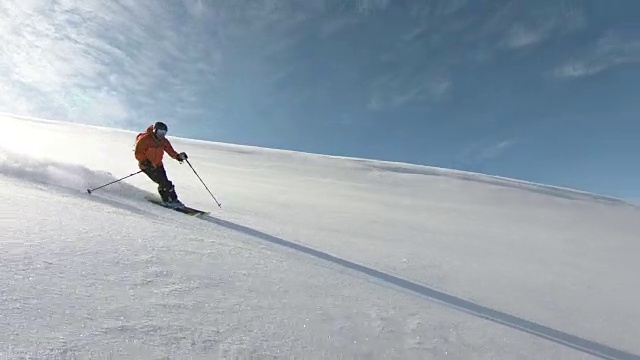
(396, 91)
(520, 36)
(124, 59)
(520, 24)
(613, 49)
(445, 35)
(480, 152)
(95, 61)
(495, 150)
(196, 8)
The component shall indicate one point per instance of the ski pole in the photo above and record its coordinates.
(115, 181)
(205, 185)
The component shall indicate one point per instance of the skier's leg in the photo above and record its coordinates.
(158, 176)
(166, 186)
(150, 173)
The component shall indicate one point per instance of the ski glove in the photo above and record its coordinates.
(182, 156)
(146, 163)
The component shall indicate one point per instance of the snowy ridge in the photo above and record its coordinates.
(413, 169)
(391, 166)
(381, 165)
(545, 189)
(310, 257)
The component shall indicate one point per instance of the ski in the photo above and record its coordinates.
(184, 209)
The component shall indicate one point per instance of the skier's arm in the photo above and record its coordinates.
(169, 149)
(174, 154)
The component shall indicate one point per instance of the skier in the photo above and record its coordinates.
(149, 150)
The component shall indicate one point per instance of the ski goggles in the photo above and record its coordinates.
(161, 132)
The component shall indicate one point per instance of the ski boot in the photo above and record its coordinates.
(173, 204)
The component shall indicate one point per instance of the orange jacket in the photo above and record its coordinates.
(148, 146)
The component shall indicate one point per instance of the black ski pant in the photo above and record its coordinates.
(165, 186)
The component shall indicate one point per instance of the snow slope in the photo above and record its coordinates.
(309, 257)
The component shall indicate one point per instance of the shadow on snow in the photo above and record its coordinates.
(577, 343)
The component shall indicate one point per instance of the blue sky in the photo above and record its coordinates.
(543, 90)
